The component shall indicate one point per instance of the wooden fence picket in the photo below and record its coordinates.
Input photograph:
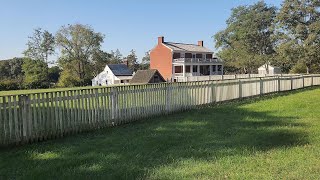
(40, 116)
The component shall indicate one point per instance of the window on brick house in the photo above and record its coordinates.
(199, 56)
(188, 55)
(178, 69)
(209, 56)
(176, 55)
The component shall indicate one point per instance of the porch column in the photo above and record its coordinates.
(222, 69)
(216, 69)
(173, 72)
(210, 69)
(191, 70)
(184, 70)
(198, 70)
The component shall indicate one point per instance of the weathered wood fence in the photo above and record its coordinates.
(39, 116)
(228, 77)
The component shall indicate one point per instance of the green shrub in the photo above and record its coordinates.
(299, 68)
(10, 84)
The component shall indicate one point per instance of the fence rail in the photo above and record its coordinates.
(225, 77)
(40, 116)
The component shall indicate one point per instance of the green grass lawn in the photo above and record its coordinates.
(276, 137)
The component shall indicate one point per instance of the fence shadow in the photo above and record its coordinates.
(133, 150)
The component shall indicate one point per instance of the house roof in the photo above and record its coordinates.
(144, 76)
(187, 47)
(120, 70)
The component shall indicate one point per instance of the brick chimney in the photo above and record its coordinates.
(200, 43)
(160, 40)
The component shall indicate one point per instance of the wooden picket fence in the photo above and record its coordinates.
(36, 117)
(229, 77)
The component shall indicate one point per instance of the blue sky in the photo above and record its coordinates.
(127, 24)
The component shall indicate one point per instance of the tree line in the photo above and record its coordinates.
(287, 37)
(80, 58)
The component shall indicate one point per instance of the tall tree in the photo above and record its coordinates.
(4, 69)
(287, 55)
(247, 41)
(68, 76)
(145, 63)
(40, 45)
(11, 74)
(116, 57)
(299, 22)
(132, 60)
(54, 74)
(78, 44)
(35, 73)
(101, 59)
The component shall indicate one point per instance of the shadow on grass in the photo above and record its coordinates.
(134, 150)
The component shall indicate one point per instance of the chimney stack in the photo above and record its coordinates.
(200, 43)
(160, 40)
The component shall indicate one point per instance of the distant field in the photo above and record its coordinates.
(277, 137)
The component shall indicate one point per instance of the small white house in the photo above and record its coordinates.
(113, 74)
(268, 69)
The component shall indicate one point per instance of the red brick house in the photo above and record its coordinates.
(174, 60)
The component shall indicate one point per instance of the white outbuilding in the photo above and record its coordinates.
(113, 74)
(269, 70)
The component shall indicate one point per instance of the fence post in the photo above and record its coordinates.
(24, 102)
(213, 92)
(240, 89)
(261, 86)
(168, 97)
(97, 109)
(303, 81)
(114, 106)
(311, 80)
(291, 78)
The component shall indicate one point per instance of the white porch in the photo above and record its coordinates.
(196, 69)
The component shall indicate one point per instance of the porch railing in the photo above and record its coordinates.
(198, 60)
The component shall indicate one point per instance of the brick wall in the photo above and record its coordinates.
(161, 59)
